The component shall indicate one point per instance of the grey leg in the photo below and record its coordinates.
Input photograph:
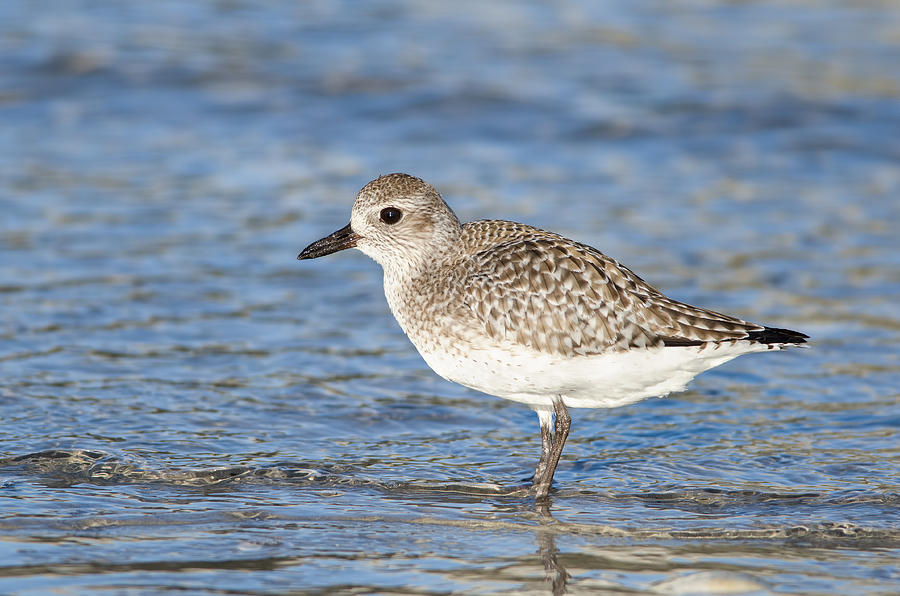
(560, 433)
(546, 443)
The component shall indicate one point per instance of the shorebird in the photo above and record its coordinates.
(530, 316)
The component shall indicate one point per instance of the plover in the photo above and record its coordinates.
(528, 315)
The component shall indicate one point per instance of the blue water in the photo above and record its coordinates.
(185, 407)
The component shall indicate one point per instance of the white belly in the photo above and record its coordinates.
(599, 381)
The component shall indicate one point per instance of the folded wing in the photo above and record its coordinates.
(549, 294)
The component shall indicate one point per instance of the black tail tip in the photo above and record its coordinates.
(773, 335)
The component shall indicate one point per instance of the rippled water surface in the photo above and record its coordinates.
(186, 407)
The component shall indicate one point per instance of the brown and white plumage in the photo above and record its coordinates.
(554, 295)
(528, 315)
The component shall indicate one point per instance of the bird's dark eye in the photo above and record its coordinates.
(391, 215)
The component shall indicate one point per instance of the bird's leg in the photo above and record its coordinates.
(545, 418)
(561, 431)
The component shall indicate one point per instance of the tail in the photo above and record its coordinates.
(773, 335)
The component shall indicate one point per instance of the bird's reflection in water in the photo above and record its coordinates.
(554, 572)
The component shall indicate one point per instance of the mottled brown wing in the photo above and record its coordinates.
(564, 298)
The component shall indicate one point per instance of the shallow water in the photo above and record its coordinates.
(186, 407)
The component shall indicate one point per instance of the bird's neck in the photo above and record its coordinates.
(417, 288)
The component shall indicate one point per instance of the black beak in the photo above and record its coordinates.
(343, 238)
